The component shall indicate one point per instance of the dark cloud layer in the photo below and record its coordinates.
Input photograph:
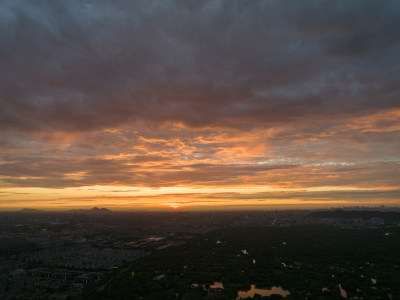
(299, 100)
(87, 65)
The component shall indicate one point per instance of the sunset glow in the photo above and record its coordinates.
(199, 105)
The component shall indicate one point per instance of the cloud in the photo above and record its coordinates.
(89, 65)
(200, 94)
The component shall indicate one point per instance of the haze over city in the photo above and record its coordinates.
(155, 105)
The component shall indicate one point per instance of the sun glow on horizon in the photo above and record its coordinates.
(174, 205)
(118, 197)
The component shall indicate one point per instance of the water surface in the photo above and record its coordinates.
(217, 285)
(275, 290)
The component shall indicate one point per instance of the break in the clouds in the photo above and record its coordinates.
(201, 94)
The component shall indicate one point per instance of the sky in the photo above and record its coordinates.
(199, 104)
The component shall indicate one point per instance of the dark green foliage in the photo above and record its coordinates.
(304, 265)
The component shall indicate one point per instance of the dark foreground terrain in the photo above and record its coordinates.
(299, 262)
(348, 253)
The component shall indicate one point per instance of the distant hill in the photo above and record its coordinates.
(94, 210)
(355, 214)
